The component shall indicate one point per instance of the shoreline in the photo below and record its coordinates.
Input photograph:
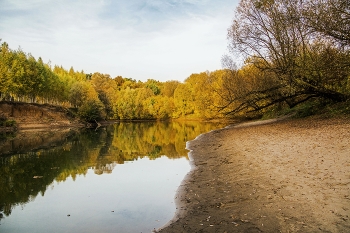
(181, 209)
(267, 176)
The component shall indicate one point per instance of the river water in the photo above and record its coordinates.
(120, 178)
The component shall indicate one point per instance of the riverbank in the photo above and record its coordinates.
(285, 176)
(36, 116)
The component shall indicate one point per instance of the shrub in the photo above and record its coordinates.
(91, 110)
(4, 122)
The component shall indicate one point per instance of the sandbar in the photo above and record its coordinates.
(290, 175)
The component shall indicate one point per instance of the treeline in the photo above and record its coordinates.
(98, 96)
(295, 51)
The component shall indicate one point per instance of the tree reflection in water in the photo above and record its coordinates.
(31, 161)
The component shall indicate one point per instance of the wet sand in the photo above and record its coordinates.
(284, 176)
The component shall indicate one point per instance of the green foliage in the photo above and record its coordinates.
(91, 110)
(81, 92)
(153, 85)
(321, 108)
(4, 122)
(306, 109)
(339, 109)
(324, 109)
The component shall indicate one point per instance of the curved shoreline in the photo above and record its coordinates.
(181, 209)
(288, 176)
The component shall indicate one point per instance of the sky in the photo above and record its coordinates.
(149, 39)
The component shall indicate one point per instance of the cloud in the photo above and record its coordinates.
(160, 39)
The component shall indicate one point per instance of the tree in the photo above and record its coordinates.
(248, 89)
(153, 85)
(274, 37)
(5, 64)
(106, 89)
(205, 93)
(169, 88)
(82, 92)
(91, 110)
(126, 106)
(183, 100)
(329, 18)
(159, 107)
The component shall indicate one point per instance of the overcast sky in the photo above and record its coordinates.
(139, 39)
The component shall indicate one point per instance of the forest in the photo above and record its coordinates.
(294, 52)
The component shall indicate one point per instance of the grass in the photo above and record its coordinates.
(311, 108)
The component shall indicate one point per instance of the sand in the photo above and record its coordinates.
(269, 176)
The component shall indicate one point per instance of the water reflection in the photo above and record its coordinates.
(31, 162)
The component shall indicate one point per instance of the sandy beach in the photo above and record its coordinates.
(268, 176)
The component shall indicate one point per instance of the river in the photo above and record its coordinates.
(120, 178)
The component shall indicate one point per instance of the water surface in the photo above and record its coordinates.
(120, 178)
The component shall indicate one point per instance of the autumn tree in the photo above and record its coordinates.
(153, 85)
(183, 101)
(92, 110)
(169, 88)
(329, 18)
(5, 75)
(274, 37)
(106, 88)
(159, 107)
(205, 87)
